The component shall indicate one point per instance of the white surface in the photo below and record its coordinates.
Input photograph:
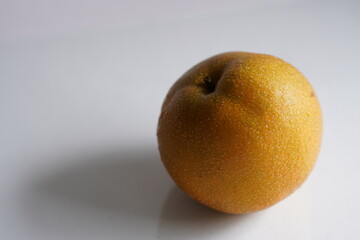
(81, 85)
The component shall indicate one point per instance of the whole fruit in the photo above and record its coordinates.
(240, 131)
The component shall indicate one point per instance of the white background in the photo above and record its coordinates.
(81, 85)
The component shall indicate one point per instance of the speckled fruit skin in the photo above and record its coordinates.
(245, 141)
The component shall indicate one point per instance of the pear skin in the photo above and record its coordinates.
(240, 131)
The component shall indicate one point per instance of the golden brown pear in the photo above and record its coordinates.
(240, 131)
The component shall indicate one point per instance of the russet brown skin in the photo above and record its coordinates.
(240, 131)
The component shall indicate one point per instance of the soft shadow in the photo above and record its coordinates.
(184, 218)
(124, 182)
(111, 192)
